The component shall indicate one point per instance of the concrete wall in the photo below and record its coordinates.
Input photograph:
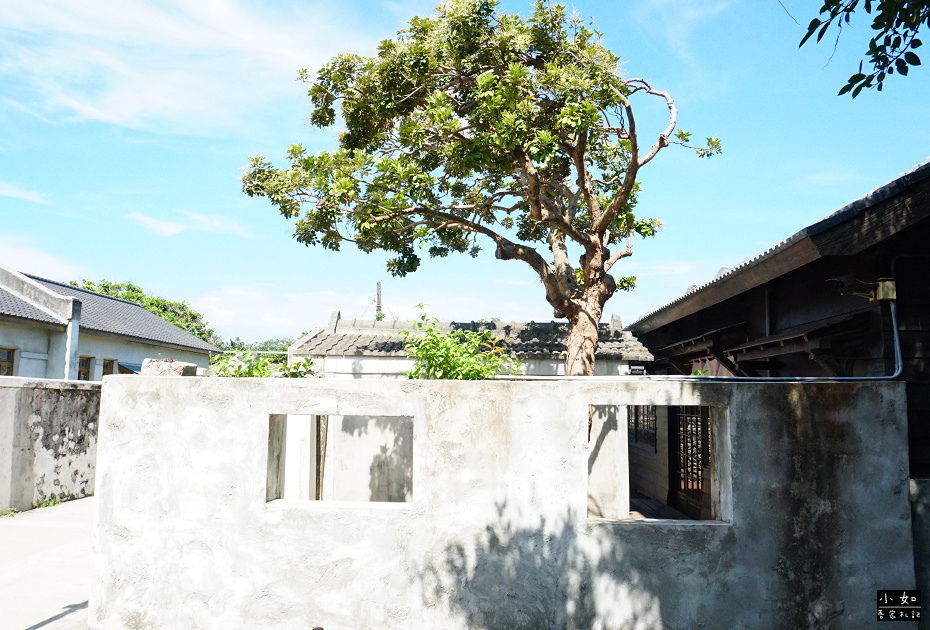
(813, 507)
(48, 440)
(103, 347)
(649, 465)
(396, 367)
(920, 515)
(31, 346)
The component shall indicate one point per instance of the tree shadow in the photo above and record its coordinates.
(542, 575)
(391, 469)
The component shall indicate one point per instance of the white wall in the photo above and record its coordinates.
(396, 367)
(815, 517)
(34, 356)
(31, 345)
(101, 348)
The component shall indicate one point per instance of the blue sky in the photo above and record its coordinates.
(124, 128)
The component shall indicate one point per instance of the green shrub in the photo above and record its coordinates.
(458, 354)
(241, 365)
(300, 369)
(245, 364)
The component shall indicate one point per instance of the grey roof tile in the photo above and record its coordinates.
(103, 313)
(522, 339)
(10, 304)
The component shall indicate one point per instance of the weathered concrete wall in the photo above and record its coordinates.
(48, 440)
(813, 503)
(920, 520)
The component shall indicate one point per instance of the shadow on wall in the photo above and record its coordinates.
(545, 575)
(391, 471)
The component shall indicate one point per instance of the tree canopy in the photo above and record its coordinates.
(177, 313)
(476, 127)
(896, 24)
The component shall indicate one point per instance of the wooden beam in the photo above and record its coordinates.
(782, 348)
(725, 362)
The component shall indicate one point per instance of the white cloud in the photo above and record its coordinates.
(11, 190)
(216, 223)
(162, 228)
(255, 312)
(193, 221)
(21, 254)
(197, 64)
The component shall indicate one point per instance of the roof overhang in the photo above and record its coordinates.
(32, 323)
(848, 231)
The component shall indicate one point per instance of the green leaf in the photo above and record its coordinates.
(911, 58)
(823, 31)
(810, 30)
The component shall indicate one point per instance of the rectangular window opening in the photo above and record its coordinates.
(6, 361)
(84, 364)
(108, 366)
(668, 466)
(340, 458)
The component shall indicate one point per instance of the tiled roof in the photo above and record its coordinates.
(10, 304)
(103, 313)
(522, 339)
(887, 190)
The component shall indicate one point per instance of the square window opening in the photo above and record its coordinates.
(671, 465)
(340, 458)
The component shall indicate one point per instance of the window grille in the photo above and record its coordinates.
(108, 366)
(693, 451)
(642, 424)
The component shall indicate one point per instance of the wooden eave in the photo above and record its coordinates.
(856, 227)
(804, 338)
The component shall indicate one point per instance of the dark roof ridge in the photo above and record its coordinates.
(81, 289)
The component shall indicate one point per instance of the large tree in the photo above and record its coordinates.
(475, 125)
(895, 23)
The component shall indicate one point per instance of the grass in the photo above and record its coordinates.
(49, 502)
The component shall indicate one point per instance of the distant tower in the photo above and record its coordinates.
(378, 314)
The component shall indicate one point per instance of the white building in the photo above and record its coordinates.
(354, 348)
(53, 330)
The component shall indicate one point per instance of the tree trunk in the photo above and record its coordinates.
(582, 338)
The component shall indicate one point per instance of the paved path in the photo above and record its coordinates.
(45, 567)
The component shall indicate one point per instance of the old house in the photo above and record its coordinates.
(353, 348)
(53, 330)
(836, 299)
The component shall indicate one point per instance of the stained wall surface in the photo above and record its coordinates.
(813, 510)
(48, 440)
